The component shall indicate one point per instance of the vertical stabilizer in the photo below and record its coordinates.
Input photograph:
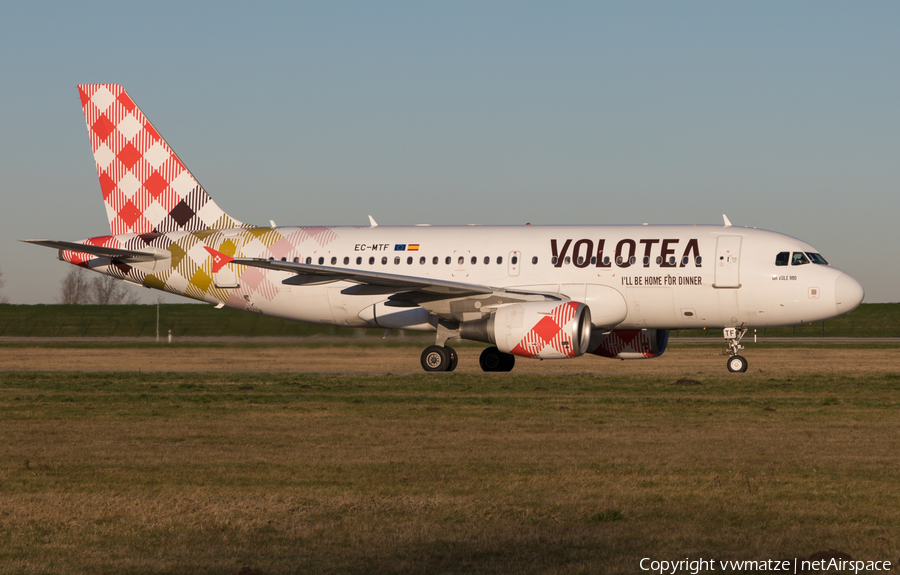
(145, 186)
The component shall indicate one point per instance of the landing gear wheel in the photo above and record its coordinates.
(437, 358)
(737, 364)
(492, 359)
(454, 358)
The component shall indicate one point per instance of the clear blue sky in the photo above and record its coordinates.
(783, 115)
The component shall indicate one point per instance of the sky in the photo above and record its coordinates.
(783, 115)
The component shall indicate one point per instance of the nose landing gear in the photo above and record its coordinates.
(736, 363)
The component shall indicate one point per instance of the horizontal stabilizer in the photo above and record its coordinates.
(100, 251)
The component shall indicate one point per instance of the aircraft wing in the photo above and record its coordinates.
(308, 274)
(447, 299)
(112, 253)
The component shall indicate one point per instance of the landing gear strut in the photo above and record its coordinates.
(736, 363)
(439, 358)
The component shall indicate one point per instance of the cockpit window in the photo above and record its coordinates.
(799, 259)
(817, 258)
(782, 259)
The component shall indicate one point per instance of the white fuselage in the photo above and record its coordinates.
(679, 277)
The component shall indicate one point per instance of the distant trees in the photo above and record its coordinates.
(3, 298)
(77, 288)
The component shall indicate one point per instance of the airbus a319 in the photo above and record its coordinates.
(546, 292)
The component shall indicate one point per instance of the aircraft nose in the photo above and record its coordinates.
(847, 293)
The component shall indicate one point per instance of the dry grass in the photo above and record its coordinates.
(347, 357)
(460, 473)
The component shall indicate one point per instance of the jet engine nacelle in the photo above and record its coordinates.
(544, 330)
(630, 343)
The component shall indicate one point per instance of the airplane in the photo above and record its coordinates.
(530, 291)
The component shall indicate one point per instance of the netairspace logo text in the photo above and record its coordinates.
(695, 566)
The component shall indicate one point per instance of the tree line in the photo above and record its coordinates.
(77, 288)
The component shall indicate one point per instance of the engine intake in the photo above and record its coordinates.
(543, 330)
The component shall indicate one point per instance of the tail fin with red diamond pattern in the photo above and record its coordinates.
(145, 186)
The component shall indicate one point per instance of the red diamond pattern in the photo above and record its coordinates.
(548, 331)
(133, 161)
(103, 128)
(129, 156)
(129, 213)
(107, 185)
(156, 184)
(125, 102)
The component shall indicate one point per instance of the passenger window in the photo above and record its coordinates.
(447, 260)
(296, 260)
(698, 260)
(619, 260)
(409, 260)
(308, 260)
(283, 259)
(346, 260)
(384, 261)
(534, 260)
(358, 260)
(594, 260)
(646, 260)
(371, 261)
(782, 258)
(553, 260)
(434, 260)
(474, 260)
(658, 260)
(799, 259)
(631, 260)
(581, 260)
(396, 260)
(606, 261)
(422, 261)
(671, 260)
(333, 260)
(685, 260)
(514, 260)
(568, 260)
(487, 260)
(499, 260)
(461, 260)
(321, 260)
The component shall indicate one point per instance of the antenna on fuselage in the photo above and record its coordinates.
(727, 222)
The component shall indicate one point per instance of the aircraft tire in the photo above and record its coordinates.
(436, 358)
(737, 364)
(492, 359)
(454, 358)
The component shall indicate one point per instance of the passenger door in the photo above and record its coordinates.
(728, 262)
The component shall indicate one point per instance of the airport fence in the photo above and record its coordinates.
(868, 320)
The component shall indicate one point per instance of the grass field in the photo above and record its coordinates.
(869, 320)
(115, 472)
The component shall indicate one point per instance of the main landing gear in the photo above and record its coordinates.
(439, 358)
(492, 359)
(736, 363)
